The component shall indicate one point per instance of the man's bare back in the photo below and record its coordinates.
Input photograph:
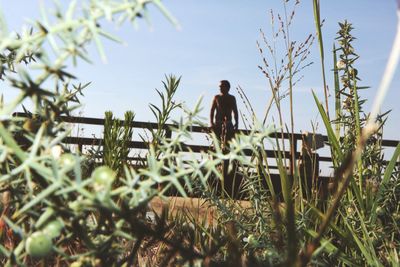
(222, 108)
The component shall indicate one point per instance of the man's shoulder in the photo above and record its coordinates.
(232, 97)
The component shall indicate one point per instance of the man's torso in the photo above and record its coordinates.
(225, 105)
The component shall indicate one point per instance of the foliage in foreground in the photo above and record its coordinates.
(58, 209)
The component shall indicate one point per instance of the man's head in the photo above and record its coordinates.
(224, 86)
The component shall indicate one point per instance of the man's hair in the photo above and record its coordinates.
(226, 83)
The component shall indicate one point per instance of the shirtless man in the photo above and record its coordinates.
(222, 108)
(221, 113)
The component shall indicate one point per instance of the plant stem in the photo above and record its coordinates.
(317, 20)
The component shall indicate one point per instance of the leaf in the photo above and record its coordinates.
(166, 13)
(110, 36)
(154, 108)
(338, 109)
(386, 177)
(16, 229)
(290, 209)
(100, 48)
(3, 25)
(360, 245)
(326, 245)
(40, 197)
(317, 19)
(71, 10)
(337, 158)
(4, 251)
(335, 228)
(51, 39)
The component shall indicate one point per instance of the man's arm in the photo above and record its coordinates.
(236, 114)
(212, 112)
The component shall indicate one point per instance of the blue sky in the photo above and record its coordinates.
(217, 40)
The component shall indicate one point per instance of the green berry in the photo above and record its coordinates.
(103, 177)
(252, 240)
(38, 245)
(379, 211)
(67, 160)
(53, 229)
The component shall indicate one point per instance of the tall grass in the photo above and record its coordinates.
(100, 218)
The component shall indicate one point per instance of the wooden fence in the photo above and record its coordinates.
(291, 154)
(81, 141)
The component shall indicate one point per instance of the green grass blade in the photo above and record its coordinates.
(333, 227)
(338, 109)
(337, 156)
(358, 130)
(367, 239)
(326, 245)
(317, 19)
(385, 180)
(360, 244)
(40, 197)
(290, 214)
(4, 251)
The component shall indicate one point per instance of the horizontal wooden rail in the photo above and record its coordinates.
(144, 145)
(185, 147)
(152, 125)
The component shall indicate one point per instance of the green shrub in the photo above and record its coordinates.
(53, 213)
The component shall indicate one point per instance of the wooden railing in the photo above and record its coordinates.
(85, 141)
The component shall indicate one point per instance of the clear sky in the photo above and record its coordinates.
(217, 40)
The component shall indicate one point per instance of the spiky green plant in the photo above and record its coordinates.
(168, 105)
(351, 119)
(86, 220)
(359, 172)
(117, 135)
